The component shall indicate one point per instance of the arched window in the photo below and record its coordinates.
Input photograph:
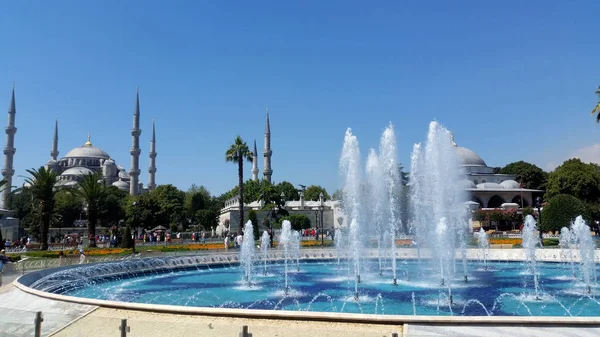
(495, 202)
(517, 200)
(477, 200)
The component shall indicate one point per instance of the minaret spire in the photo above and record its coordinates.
(267, 171)
(134, 171)
(54, 151)
(9, 151)
(152, 169)
(255, 163)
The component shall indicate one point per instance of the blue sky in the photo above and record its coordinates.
(514, 80)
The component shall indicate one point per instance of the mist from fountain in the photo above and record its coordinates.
(566, 244)
(350, 170)
(265, 241)
(376, 197)
(338, 240)
(438, 200)
(247, 252)
(484, 245)
(285, 240)
(581, 233)
(295, 247)
(530, 240)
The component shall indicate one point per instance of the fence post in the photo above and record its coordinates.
(124, 328)
(245, 332)
(38, 324)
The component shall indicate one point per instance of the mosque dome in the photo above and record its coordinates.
(489, 186)
(468, 157)
(122, 185)
(510, 184)
(468, 184)
(87, 151)
(123, 174)
(77, 171)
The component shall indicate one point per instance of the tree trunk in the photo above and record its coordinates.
(92, 220)
(241, 184)
(45, 227)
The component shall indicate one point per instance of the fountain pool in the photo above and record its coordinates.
(494, 289)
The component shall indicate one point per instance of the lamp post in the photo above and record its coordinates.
(321, 208)
(538, 205)
(135, 203)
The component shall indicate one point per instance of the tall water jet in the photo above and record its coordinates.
(418, 212)
(484, 245)
(265, 241)
(438, 198)
(338, 240)
(391, 174)
(350, 170)
(376, 199)
(566, 244)
(586, 252)
(285, 240)
(530, 240)
(247, 252)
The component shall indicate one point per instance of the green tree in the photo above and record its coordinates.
(528, 174)
(41, 186)
(207, 218)
(93, 193)
(560, 211)
(288, 190)
(298, 221)
(254, 218)
(575, 178)
(337, 195)
(596, 109)
(68, 207)
(127, 241)
(142, 211)
(113, 210)
(20, 202)
(171, 202)
(237, 153)
(312, 193)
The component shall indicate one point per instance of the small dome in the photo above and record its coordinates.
(489, 186)
(510, 184)
(468, 184)
(124, 175)
(51, 162)
(469, 158)
(77, 171)
(108, 162)
(122, 185)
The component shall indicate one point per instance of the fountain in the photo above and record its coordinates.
(338, 240)
(264, 247)
(295, 248)
(566, 245)
(581, 232)
(286, 241)
(247, 252)
(377, 195)
(484, 245)
(530, 240)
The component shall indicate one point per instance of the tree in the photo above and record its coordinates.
(113, 210)
(337, 195)
(93, 193)
(171, 202)
(41, 185)
(237, 153)
(20, 202)
(68, 207)
(298, 221)
(596, 109)
(288, 190)
(252, 217)
(575, 178)
(312, 193)
(127, 241)
(560, 211)
(529, 175)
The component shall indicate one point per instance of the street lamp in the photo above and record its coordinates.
(135, 203)
(538, 205)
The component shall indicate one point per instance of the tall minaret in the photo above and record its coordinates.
(135, 151)
(9, 151)
(152, 169)
(267, 171)
(54, 152)
(255, 163)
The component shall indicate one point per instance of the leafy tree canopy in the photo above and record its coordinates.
(298, 221)
(528, 174)
(560, 211)
(575, 178)
(312, 193)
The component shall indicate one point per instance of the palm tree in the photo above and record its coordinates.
(596, 109)
(237, 152)
(41, 186)
(93, 192)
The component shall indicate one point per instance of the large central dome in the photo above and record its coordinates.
(87, 151)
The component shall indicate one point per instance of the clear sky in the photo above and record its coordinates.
(514, 80)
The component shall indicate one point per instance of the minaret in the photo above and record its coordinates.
(54, 152)
(9, 151)
(255, 163)
(267, 171)
(135, 151)
(152, 169)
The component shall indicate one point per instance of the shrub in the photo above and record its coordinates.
(252, 217)
(560, 211)
(299, 221)
(127, 241)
